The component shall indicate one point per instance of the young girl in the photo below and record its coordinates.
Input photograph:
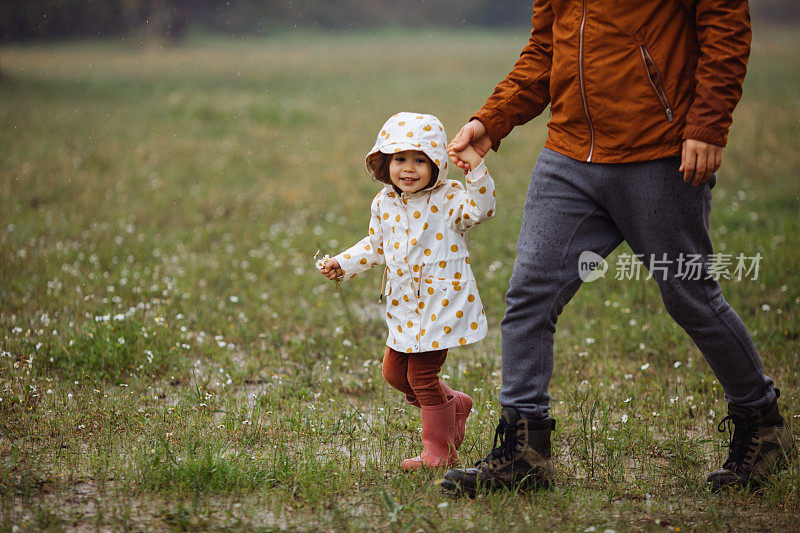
(417, 226)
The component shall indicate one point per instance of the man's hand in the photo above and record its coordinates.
(332, 270)
(472, 134)
(468, 155)
(699, 160)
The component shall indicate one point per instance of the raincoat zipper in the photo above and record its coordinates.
(657, 87)
(583, 91)
(407, 239)
(419, 280)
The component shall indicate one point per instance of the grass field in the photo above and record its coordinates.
(172, 360)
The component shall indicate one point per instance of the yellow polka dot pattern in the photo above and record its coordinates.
(421, 238)
(411, 131)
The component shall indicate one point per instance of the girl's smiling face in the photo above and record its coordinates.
(410, 171)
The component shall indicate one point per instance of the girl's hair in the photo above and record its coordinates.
(379, 167)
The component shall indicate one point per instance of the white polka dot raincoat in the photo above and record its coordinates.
(432, 300)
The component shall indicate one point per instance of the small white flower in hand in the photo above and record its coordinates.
(321, 261)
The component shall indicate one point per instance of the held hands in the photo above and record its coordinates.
(473, 136)
(468, 157)
(699, 160)
(332, 270)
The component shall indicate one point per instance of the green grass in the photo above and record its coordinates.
(171, 359)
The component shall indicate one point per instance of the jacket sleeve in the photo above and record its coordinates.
(469, 206)
(723, 32)
(368, 252)
(525, 92)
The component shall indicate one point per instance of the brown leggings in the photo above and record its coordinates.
(416, 374)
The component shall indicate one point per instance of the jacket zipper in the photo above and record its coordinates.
(408, 265)
(583, 91)
(419, 281)
(657, 86)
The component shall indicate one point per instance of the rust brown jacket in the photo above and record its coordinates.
(626, 80)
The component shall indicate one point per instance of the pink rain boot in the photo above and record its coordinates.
(438, 433)
(463, 409)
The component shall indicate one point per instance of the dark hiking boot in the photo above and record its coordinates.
(520, 459)
(760, 445)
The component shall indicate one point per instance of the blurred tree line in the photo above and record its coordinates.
(170, 19)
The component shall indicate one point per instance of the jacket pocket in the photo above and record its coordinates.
(654, 77)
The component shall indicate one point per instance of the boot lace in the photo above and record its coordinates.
(505, 443)
(742, 439)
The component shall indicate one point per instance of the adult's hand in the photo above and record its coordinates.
(699, 160)
(473, 134)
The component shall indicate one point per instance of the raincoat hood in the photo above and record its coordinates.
(411, 131)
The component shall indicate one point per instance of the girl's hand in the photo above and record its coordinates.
(468, 156)
(332, 270)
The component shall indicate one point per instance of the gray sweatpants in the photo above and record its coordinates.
(574, 206)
